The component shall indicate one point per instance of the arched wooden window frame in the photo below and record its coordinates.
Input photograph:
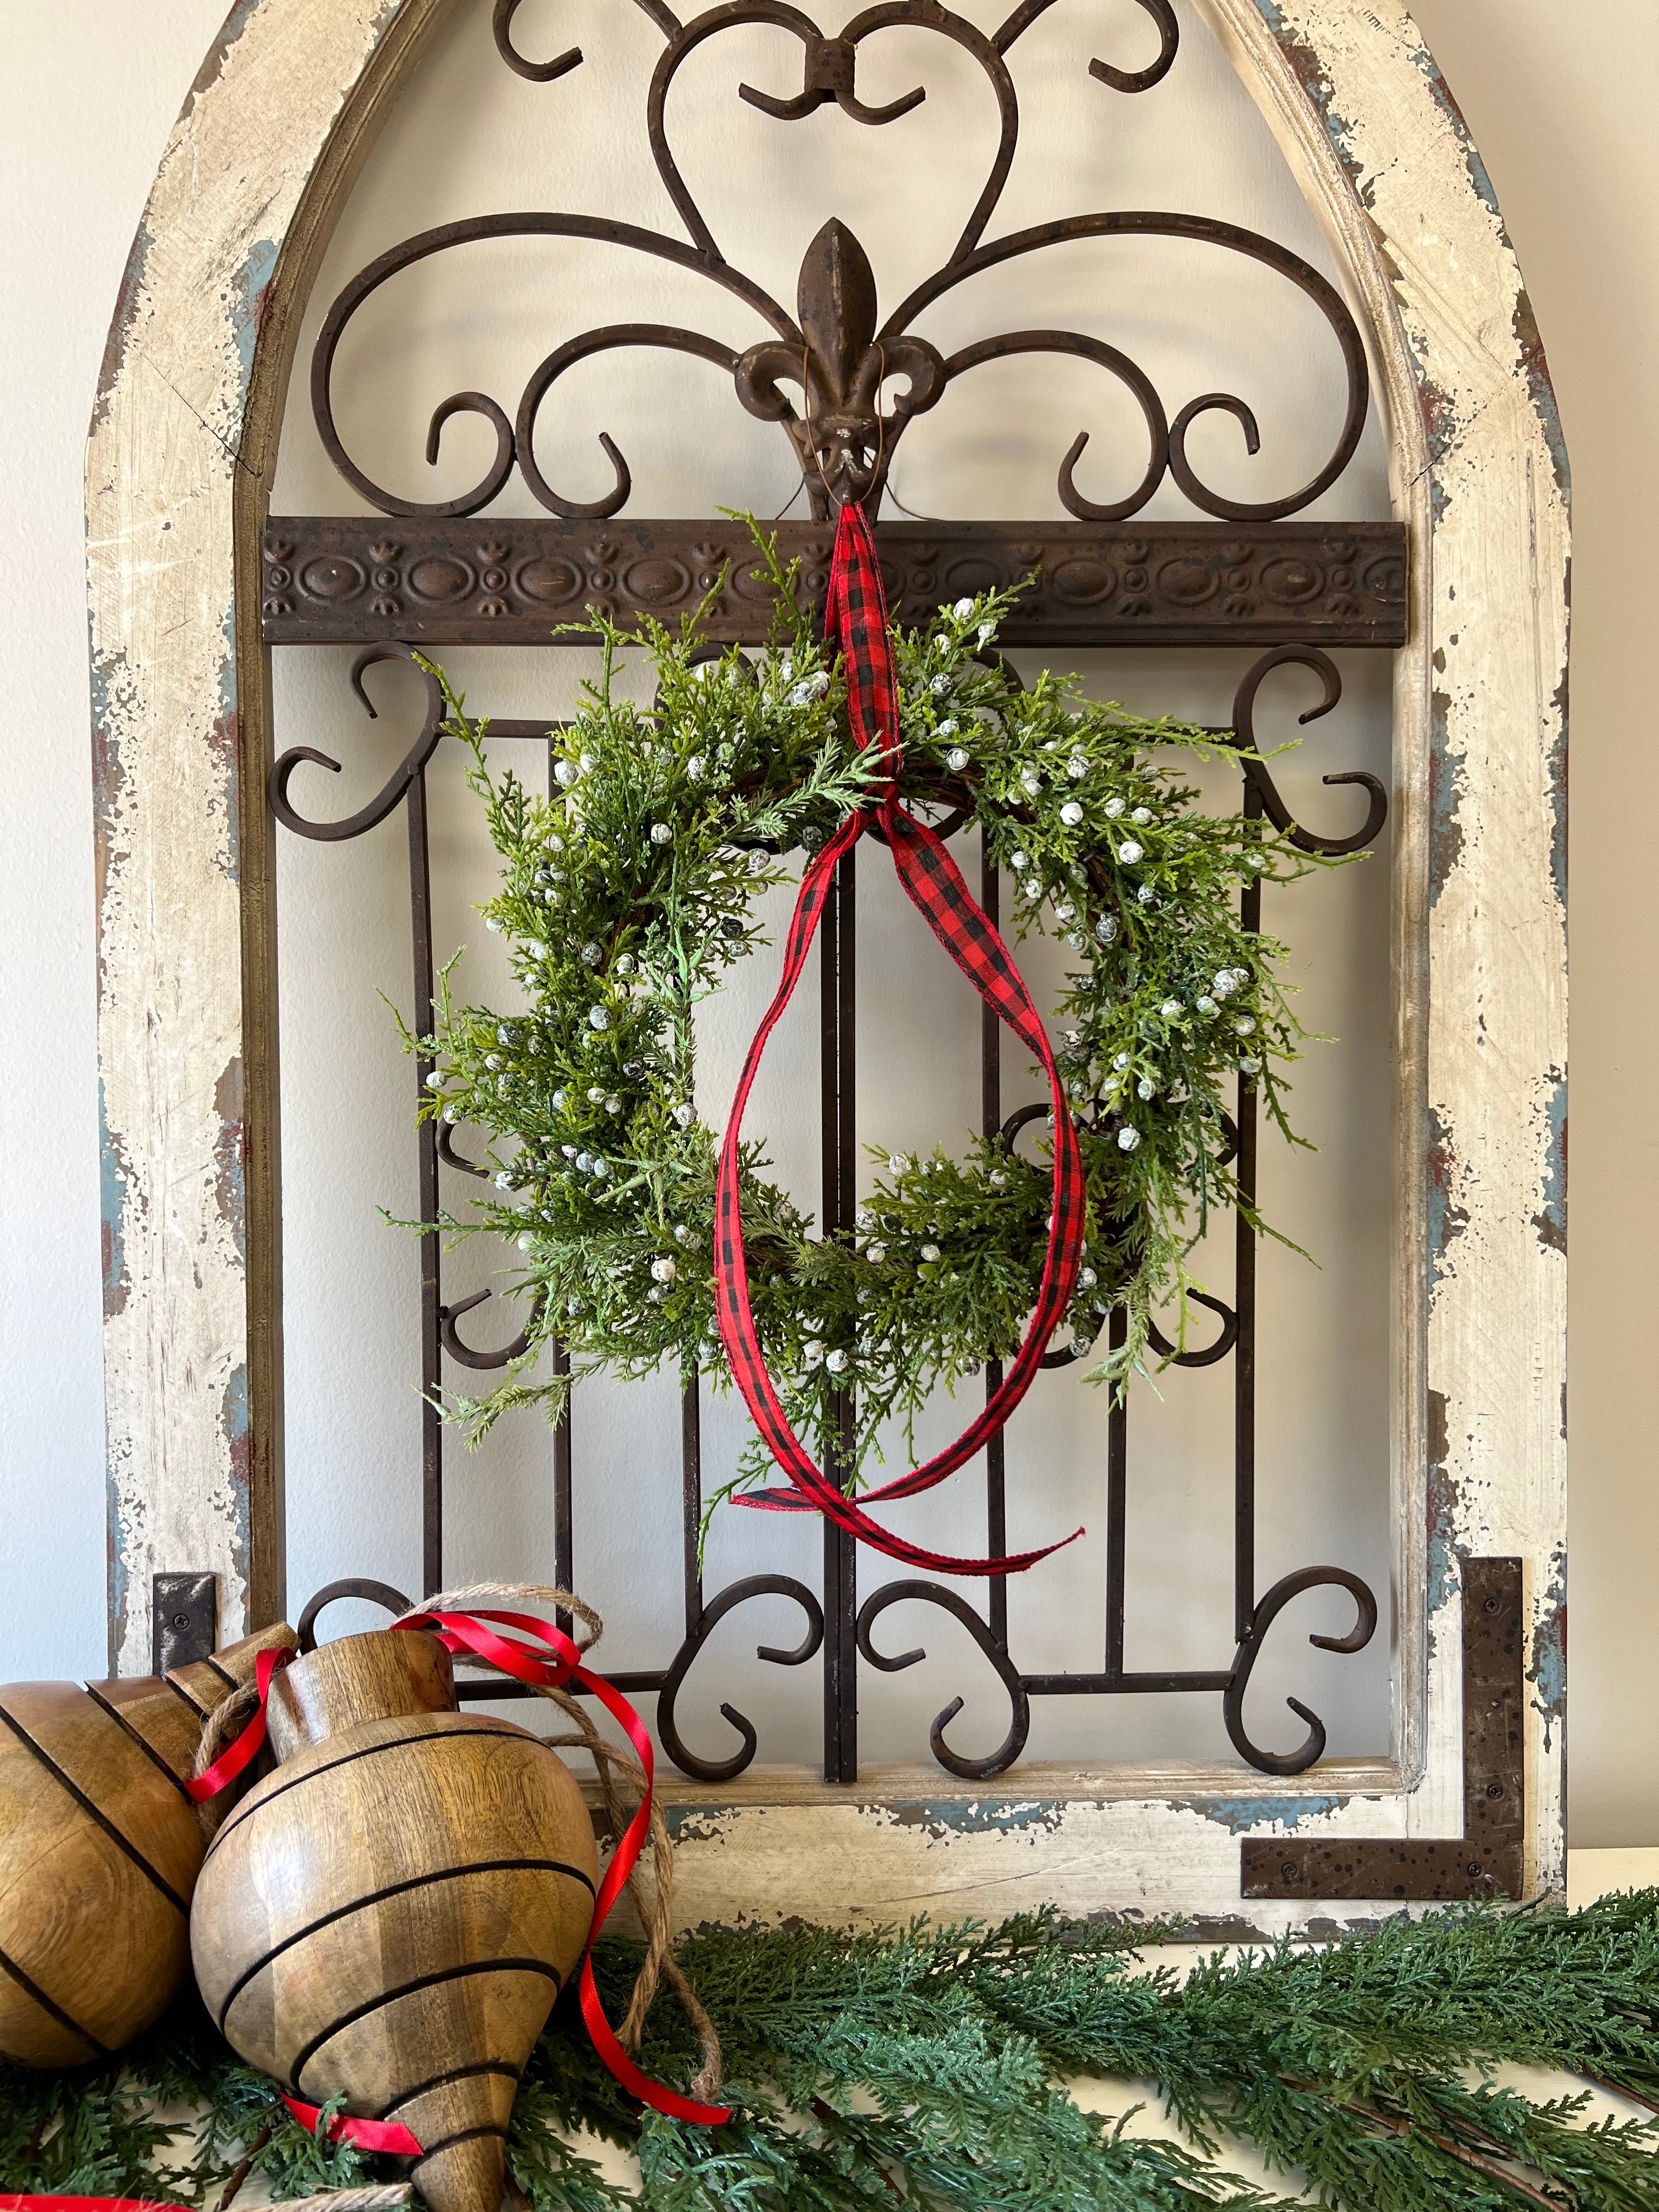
(181, 458)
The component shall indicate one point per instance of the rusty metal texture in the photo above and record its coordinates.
(1488, 1860)
(354, 580)
(184, 1619)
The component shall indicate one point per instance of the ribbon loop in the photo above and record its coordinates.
(557, 1662)
(855, 619)
(240, 1755)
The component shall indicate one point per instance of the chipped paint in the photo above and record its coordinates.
(1251, 1815)
(1448, 1180)
(1551, 1219)
(112, 1199)
(248, 299)
(1445, 1570)
(168, 738)
(1547, 1672)
(1445, 792)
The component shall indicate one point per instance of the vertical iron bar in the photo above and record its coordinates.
(990, 1077)
(564, 1511)
(691, 1498)
(1249, 914)
(1117, 1501)
(432, 1446)
(838, 1070)
(564, 1530)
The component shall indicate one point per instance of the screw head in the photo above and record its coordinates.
(1475, 1870)
(181, 1620)
(1494, 1605)
(1494, 1789)
(1290, 1871)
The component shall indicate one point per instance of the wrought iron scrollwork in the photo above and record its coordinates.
(1260, 778)
(1267, 1610)
(833, 350)
(1019, 1724)
(724, 1770)
(468, 1357)
(844, 384)
(396, 788)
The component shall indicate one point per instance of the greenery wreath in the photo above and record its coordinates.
(629, 891)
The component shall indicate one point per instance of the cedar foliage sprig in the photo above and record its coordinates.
(627, 895)
(921, 2067)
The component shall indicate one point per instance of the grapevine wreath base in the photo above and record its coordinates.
(628, 894)
(919, 2068)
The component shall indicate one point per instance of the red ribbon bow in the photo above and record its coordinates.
(557, 1662)
(855, 619)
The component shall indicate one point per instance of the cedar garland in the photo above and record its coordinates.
(919, 2067)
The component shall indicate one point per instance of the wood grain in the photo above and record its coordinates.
(99, 1849)
(391, 1913)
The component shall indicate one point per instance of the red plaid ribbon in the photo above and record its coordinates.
(855, 619)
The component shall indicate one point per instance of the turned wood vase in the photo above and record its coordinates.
(100, 1850)
(392, 1912)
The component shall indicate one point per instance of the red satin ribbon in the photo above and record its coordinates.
(236, 1757)
(466, 1631)
(89, 2205)
(855, 619)
(367, 2134)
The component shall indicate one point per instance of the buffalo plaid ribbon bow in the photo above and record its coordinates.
(855, 620)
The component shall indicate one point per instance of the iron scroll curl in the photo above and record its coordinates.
(952, 1602)
(1267, 1610)
(710, 1616)
(844, 436)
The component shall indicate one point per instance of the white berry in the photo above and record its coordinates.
(930, 1252)
(956, 759)
(663, 1270)
(1128, 1138)
(1071, 814)
(1128, 852)
(836, 1362)
(661, 834)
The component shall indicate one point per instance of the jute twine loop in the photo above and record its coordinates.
(224, 1724)
(654, 1895)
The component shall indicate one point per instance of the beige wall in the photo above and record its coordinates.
(91, 103)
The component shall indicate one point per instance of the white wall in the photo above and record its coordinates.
(92, 97)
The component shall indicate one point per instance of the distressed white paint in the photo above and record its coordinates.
(159, 477)
(1479, 955)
